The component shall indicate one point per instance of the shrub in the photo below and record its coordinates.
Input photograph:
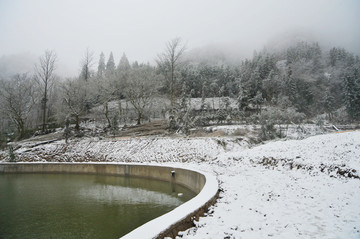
(11, 153)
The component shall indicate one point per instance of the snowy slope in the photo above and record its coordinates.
(129, 149)
(283, 189)
(278, 202)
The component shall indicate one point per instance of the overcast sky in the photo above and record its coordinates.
(140, 28)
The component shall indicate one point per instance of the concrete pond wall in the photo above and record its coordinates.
(167, 225)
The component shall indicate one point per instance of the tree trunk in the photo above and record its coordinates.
(106, 108)
(77, 126)
(172, 103)
(44, 110)
(21, 129)
(120, 110)
(139, 118)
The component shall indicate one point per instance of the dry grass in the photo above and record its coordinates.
(240, 132)
(217, 133)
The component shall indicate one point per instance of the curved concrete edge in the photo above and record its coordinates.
(167, 225)
(181, 218)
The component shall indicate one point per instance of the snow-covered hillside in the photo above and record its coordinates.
(275, 201)
(306, 188)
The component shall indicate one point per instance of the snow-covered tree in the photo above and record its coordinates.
(110, 66)
(141, 89)
(101, 66)
(168, 63)
(73, 96)
(352, 92)
(258, 100)
(124, 64)
(123, 71)
(329, 104)
(104, 91)
(184, 119)
(86, 64)
(243, 100)
(214, 89)
(17, 99)
(45, 76)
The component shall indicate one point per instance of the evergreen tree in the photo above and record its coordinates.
(292, 91)
(124, 64)
(123, 72)
(352, 93)
(329, 104)
(258, 100)
(256, 82)
(203, 103)
(110, 66)
(101, 66)
(214, 88)
(243, 100)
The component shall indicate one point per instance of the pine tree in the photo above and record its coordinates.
(110, 66)
(123, 72)
(203, 103)
(257, 101)
(124, 64)
(243, 100)
(101, 66)
(256, 82)
(214, 88)
(352, 93)
(329, 104)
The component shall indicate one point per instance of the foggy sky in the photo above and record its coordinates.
(140, 28)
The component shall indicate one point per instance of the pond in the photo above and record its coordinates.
(82, 206)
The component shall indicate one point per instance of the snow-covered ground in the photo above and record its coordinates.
(307, 188)
(267, 201)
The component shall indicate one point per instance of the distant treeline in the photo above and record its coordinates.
(302, 80)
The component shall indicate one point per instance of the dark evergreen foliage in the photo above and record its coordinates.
(352, 92)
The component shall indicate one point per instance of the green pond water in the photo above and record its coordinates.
(81, 206)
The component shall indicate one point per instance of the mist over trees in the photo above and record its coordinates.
(301, 82)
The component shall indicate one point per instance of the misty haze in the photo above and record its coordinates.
(264, 95)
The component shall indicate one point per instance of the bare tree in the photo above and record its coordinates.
(74, 98)
(44, 76)
(141, 89)
(86, 63)
(106, 92)
(17, 100)
(168, 62)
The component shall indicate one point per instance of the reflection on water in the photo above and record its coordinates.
(81, 206)
(124, 195)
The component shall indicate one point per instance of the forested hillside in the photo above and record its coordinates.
(301, 82)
